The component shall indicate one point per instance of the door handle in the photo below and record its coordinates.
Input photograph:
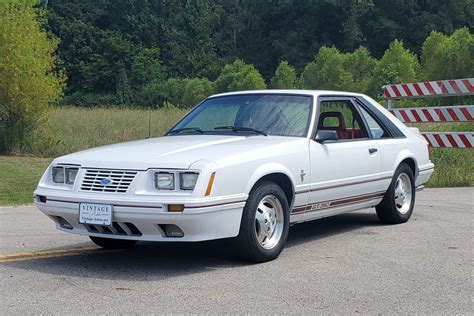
(372, 150)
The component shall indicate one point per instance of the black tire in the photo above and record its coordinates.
(248, 246)
(387, 210)
(109, 243)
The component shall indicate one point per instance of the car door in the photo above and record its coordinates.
(345, 173)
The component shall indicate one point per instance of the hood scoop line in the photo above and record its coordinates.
(206, 144)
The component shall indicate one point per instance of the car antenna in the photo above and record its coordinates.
(149, 122)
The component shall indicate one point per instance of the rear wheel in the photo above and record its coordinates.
(265, 223)
(397, 204)
(110, 243)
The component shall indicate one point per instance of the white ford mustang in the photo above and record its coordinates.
(242, 165)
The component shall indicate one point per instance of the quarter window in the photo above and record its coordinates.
(375, 129)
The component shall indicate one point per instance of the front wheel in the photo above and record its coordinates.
(109, 243)
(397, 204)
(265, 223)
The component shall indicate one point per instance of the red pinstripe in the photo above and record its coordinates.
(339, 202)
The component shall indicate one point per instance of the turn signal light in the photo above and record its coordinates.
(175, 208)
(210, 184)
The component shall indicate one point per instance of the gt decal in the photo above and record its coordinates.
(337, 202)
(319, 206)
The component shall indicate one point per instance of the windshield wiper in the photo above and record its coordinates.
(242, 129)
(193, 129)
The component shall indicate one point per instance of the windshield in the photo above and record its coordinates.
(272, 114)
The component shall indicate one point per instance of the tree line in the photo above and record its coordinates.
(175, 53)
(150, 52)
(442, 57)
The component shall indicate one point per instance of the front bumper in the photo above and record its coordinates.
(144, 220)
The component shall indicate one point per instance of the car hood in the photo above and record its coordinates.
(169, 151)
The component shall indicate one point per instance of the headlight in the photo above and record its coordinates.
(164, 181)
(188, 180)
(65, 175)
(71, 174)
(58, 174)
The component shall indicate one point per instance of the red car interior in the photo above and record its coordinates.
(342, 131)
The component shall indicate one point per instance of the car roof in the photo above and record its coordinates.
(314, 93)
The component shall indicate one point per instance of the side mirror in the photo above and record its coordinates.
(323, 136)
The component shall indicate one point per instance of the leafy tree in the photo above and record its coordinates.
(284, 77)
(173, 89)
(328, 71)
(397, 65)
(146, 67)
(448, 57)
(412, 21)
(151, 94)
(196, 90)
(29, 82)
(197, 38)
(361, 66)
(239, 76)
(353, 35)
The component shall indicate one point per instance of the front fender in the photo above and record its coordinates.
(267, 169)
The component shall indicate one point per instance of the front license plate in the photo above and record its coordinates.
(95, 214)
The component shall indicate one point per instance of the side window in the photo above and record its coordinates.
(341, 117)
(376, 130)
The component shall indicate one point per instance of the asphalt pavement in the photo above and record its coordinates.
(345, 264)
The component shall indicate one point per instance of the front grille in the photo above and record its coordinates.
(120, 180)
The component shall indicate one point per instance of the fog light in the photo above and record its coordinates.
(41, 198)
(175, 208)
(63, 223)
(172, 230)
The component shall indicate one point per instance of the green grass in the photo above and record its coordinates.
(79, 128)
(73, 128)
(19, 177)
(453, 167)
